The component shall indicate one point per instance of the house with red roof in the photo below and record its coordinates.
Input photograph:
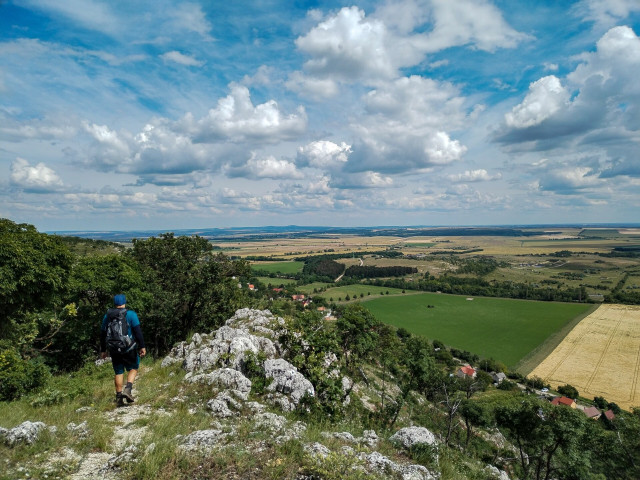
(609, 415)
(592, 412)
(563, 401)
(466, 371)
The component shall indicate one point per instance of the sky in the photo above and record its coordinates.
(162, 114)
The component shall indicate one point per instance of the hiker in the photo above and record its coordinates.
(122, 335)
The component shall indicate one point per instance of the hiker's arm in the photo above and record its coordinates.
(137, 334)
(103, 340)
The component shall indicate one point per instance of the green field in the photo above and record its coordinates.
(276, 281)
(285, 268)
(356, 290)
(506, 330)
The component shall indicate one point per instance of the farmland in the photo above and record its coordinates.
(506, 330)
(600, 356)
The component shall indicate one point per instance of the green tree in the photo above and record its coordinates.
(358, 331)
(473, 414)
(568, 391)
(551, 440)
(191, 288)
(34, 269)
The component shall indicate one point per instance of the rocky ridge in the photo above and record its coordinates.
(218, 360)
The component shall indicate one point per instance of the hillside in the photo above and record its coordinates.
(231, 404)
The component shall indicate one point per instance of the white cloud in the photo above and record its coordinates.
(182, 59)
(88, 13)
(361, 180)
(606, 12)
(479, 175)
(313, 87)
(237, 119)
(35, 179)
(468, 22)
(349, 46)
(404, 127)
(546, 96)
(265, 167)
(189, 16)
(47, 129)
(323, 154)
(568, 180)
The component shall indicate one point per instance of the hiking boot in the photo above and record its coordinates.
(126, 393)
(119, 400)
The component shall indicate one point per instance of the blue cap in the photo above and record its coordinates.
(119, 299)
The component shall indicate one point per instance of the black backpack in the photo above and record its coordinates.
(118, 339)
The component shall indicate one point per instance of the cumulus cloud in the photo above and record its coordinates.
(546, 96)
(182, 59)
(404, 128)
(350, 47)
(479, 175)
(362, 180)
(310, 86)
(34, 179)
(265, 167)
(323, 154)
(155, 149)
(601, 99)
(237, 119)
(568, 180)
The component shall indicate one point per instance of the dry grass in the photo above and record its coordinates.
(600, 356)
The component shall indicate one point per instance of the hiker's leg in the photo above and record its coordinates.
(119, 379)
(131, 375)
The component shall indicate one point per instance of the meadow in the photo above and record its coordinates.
(285, 268)
(504, 329)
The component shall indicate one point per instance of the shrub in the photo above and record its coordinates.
(568, 391)
(19, 376)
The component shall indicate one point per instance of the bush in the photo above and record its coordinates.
(568, 391)
(19, 376)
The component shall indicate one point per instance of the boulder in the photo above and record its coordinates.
(287, 380)
(223, 379)
(411, 436)
(27, 432)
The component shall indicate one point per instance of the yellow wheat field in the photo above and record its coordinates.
(600, 356)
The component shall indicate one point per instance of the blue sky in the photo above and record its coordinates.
(159, 114)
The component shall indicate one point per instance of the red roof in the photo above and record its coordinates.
(467, 370)
(592, 412)
(609, 414)
(562, 401)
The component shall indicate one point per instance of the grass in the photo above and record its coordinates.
(504, 329)
(276, 281)
(356, 289)
(279, 267)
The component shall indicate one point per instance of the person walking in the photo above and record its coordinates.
(121, 335)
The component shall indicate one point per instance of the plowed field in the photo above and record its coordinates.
(600, 356)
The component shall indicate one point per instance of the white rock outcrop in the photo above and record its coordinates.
(26, 432)
(411, 436)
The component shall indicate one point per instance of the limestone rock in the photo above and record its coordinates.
(287, 380)
(317, 450)
(203, 439)
(26, 432)
(381, 464)
(225, 378)
(410, 436)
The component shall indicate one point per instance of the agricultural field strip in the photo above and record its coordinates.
(600, 357)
